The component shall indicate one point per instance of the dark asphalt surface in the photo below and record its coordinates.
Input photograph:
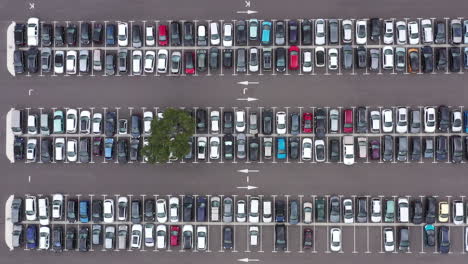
(332, 90)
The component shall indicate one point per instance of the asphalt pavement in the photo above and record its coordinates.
(216, 91)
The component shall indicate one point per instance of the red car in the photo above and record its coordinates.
(189, 62)
(308, 239)
(163, 36)
(175, 231)
(348, 121)
(294, 58)
(307, 121)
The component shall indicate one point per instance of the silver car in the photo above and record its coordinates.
(176, 62)
(334, 120)
(228, 209)
(241, 146)
(84, 61)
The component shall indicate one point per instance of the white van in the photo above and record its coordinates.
(16, 121)
(214, 33)
(403, 210)
(30, 208)
(43, 211)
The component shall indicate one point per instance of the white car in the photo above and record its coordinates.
(413, 32)
(32, 124)
(161, 211)
(44, 238)
(320, 154)
(214, 147)
(403, 210)
(150, 57)
(429, 119)
(427, 32)
(307, 61)
(387, 120)
(307, 212)
(147, 119)
(215, 204)
(215, 122)
(31, 146)
(227, 35)
(174, 209)
(108, 211)
(361, 32)
(71, 61)
(388, 32)
(33, 31)
(97, 123)
(59, 68)
(122, 204)
(59, 152)
(333, 59)
(347, 31)
(376, 210)
(30, 208)
(241, 212)
(387, 54)
(458, 212)
(187, 230)
(401, 32)
(402, 120)
(319, 32)
(335, 239)
(71, 120)
(267, 211)
(72, 150)
(122, 34)
(348, 212)
(43, 210)
(201, 149)
(57, 206)
(375, 121)
(214, 34)
(161, 234)
(348, 150)
(240, 121)
(85, 121)
(202, 237)
(163, 56)
(253, 60)
(150, 40)
(334, 116)
(281, 123)
(149, 235)
(254, 235)
(135, 239)
(306, 149)
(254, 210)
(457, 121)
(137, 58)
(389, 239)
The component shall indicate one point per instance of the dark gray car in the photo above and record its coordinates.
(84, 150)
(241, 64)
(241, 146)
(415, 121)
(347, 57)
(334, 209)
(293, 212)
(402, 148)
(16, 210)
(387, 154)
(333, 31)
(110, 64)
(228, 209)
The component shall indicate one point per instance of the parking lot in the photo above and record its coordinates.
(216, 91)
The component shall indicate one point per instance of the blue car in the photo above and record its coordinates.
(108, 146)
(465, 121)
(281, 148)
(31, 237)
(266, 33)
(84, 211)
(110, 34)
(201, 208)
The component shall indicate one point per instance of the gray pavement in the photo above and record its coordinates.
(215, 91)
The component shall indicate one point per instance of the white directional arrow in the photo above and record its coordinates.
(247, 83)
(247, 171)
(249, 187)
(247, 12)
(247, 260)
(249, 99)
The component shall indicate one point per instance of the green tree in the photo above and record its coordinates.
(169, 136)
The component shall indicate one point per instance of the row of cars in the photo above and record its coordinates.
(241, 60)
(227, 34)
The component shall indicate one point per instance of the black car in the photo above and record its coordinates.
(306, 32)
(214, 58)
(72, 210)
(335, 209)
(280, 33)
(228, 237)
(456, 149)
(294, 212)
(280, 59)
(427, 61)
(241, 33)
(267, 125)
(418, 212)
(280, 235)
(188, 208)
(136, 36)
(135, 212)
(334, 150)
(189, 34)
(202, 60)
(149, 212)
(455, 59)
(97, 215)
(429, 236)
(109, 128)
(46, 35)
(441, 59)
(444, 240)
(320, 123)
(361, 120)
(241, 60)
(97, 33)
(202, 207)
(431, 214)
(387, 154)
(361, 57)
(415, 149)
(59, 36)
(70, 238)
(175, 34)
(228, 122)
(280, 211)
(122, 150)
(443, 115)
(71, 35)
(295, 124)
(187, 239)
(254, 149)
(18, 61)
(227, 58)
(201, 121)
(19, 33)
(413, 61)
(57, 238)
(267, 59)
(32, 58)
(375, 29)
(84, 238)
(293, 32)
(135, 129)
(228, 148)
(46, 150)
(439, 32)
(85, 36)
(361, 210)
(134, 149)
(347, 57)
(294, 148)
(18, 148)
